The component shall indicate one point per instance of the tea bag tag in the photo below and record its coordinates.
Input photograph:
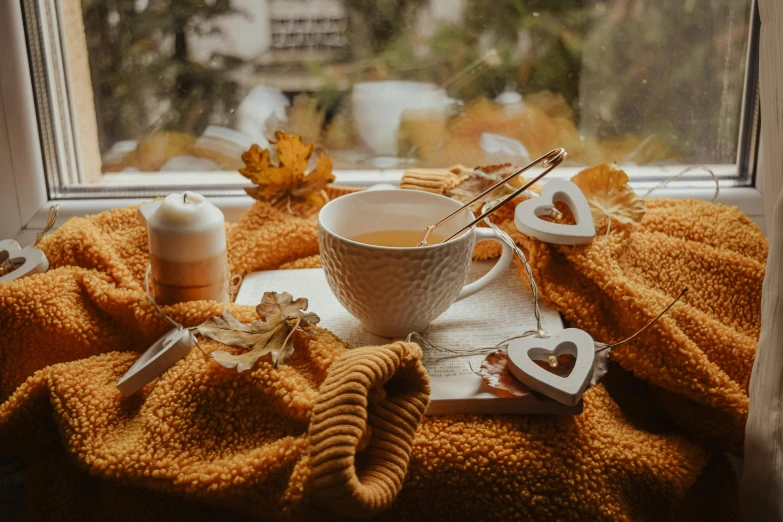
(28, 261)
(162, 355)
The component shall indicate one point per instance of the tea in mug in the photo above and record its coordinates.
(398, 238)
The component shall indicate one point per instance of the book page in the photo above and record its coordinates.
(502, 310)
(310, 283)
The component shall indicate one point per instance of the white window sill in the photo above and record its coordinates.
(747, 199)
(365, 177)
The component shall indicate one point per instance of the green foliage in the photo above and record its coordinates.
(668, 71)
(142, 74)
(671, 71)
(374, 24)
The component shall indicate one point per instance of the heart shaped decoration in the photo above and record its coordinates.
(173, 346)
(567, 390)
(23, 261)
(527, 216)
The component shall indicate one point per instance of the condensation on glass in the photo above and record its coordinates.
(171, 86)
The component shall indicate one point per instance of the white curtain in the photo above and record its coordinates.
(762, 479)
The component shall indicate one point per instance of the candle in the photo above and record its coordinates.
(187, 241)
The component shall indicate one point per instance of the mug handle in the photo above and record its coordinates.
(487, 234)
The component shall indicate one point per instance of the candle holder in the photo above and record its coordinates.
(179, 282)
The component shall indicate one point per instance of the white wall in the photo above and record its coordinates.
(10, 219)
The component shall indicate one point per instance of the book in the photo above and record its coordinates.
(502, 310)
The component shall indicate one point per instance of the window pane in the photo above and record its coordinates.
(180, 85)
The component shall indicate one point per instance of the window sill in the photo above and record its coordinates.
(748, 199)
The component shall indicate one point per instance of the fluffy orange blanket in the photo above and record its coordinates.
(203, 441)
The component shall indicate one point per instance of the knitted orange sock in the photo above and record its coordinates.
(362, 427)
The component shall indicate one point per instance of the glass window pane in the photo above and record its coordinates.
(182, 86)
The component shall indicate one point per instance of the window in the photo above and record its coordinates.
(138, 97)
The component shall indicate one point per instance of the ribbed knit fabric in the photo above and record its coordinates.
(363, 424)
(437, 181)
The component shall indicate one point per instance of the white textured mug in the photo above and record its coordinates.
(392, 290)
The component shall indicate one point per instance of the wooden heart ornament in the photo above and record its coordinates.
(527, 216)
(567, 390)
(23, 261)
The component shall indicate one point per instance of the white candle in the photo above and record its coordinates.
(187, 240)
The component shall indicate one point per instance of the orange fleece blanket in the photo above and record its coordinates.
(203, 442)
(698, 357)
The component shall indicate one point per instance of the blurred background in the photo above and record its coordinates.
(182, 85)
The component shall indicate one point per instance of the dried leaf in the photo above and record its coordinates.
(610, 196)
(601, 363)
(154, 150)
(272, 181)
(474, 185)
(288, 177)
(8, 265)
(285, 351)
(315, 182)
(480, 179)
(227, 330)
(245, 361)
(495, 373)
(340, 134)
(276, 307)
(272, 335)
(292, 154)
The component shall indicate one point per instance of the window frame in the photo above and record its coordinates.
(29, 172)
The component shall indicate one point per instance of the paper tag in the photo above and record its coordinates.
(146, 210)
(161, 356)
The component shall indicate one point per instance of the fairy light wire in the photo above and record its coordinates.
(538, 332)
(163, 314)
(666, 182)
(506, 238)
(549, 160)
(158, 309)
(51, 219)
(648, 325)
(663, 184)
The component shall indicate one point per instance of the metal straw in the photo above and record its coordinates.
(550, 160)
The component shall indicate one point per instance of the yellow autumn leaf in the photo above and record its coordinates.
(317, 179)
(292, 155)
(610, 196)
(270, 179)
(288, 178)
